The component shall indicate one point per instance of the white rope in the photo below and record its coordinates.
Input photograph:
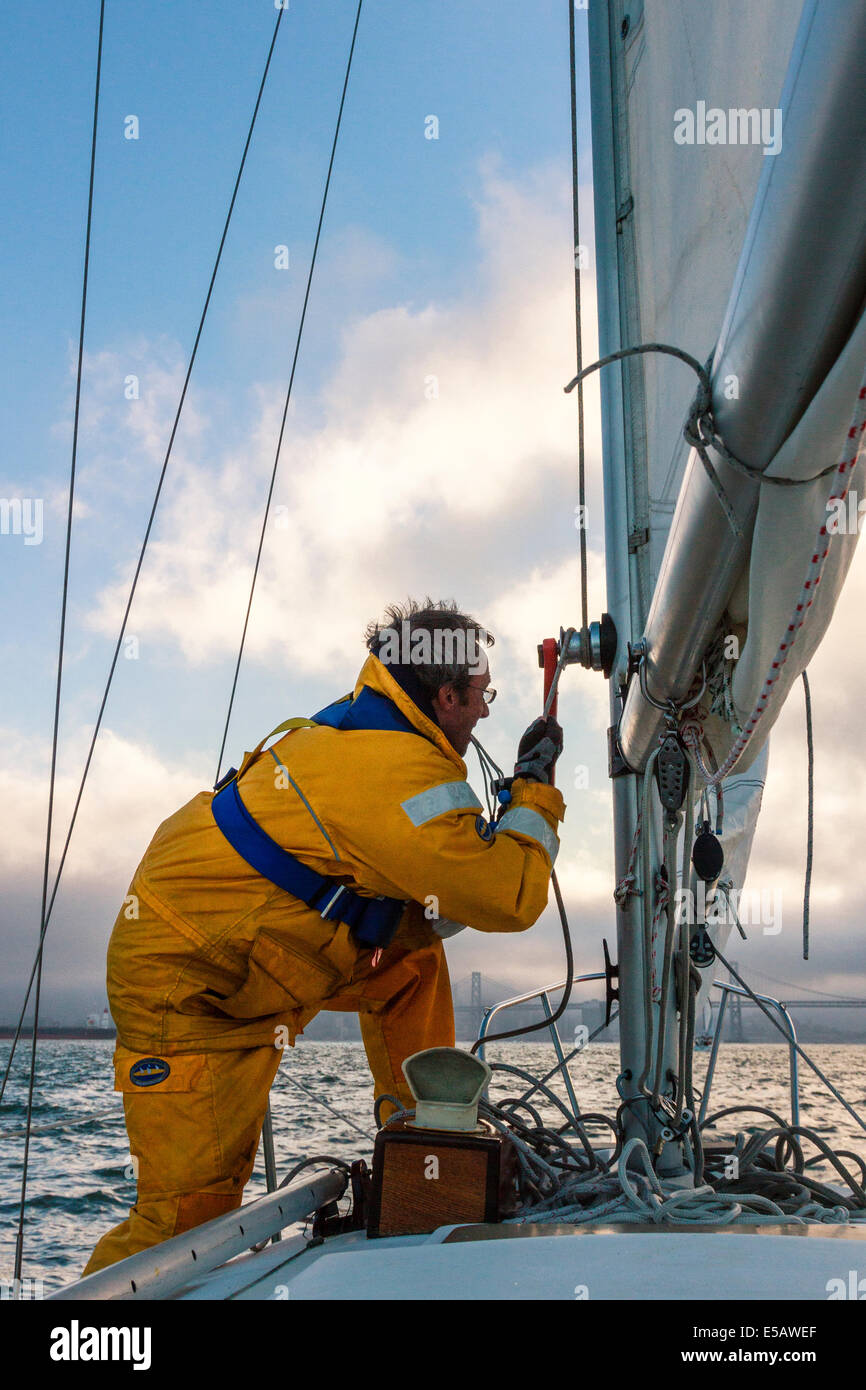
(618, 1195)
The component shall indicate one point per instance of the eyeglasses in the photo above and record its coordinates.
(488, 694)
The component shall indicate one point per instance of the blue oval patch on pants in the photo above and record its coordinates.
(148, 1071)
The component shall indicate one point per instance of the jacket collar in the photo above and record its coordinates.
(378, 677)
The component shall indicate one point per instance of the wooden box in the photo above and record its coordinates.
(428, 1178)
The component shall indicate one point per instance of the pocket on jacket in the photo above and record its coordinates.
(281, 976)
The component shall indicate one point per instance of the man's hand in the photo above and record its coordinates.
(538, 750)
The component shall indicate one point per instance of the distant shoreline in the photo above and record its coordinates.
(8, 1031)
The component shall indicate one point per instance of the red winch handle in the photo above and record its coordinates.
(550, 659)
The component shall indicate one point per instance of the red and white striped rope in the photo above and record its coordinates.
(662, 899)
(625, 887)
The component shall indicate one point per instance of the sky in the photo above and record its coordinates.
(429, 447)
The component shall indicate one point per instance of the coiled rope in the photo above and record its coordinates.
(573, 1181)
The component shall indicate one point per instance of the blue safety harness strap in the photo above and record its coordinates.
(368, 711)
(373, 921)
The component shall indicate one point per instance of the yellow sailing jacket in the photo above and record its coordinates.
(216, 945)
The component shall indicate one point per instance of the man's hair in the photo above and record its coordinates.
(441, 645)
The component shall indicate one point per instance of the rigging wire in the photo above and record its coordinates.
(321, 1100)
(288, 393)
(566, 993)
(19, 1242)
(564, 645)
(700, 429)
(94, 1117)
(569, 955)
(488, 790)
(798, 1049)
(144, 544)
(789, 984)
(575, 1051)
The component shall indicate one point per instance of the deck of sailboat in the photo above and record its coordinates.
(552, 1262)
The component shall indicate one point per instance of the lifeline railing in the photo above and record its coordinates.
(728, 989)
(544, 995)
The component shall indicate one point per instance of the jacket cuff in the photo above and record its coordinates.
(538, 795)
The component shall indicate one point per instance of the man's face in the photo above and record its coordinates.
(457, 720)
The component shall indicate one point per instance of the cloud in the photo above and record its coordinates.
(130, 789)
(442, 426)
(547, 594)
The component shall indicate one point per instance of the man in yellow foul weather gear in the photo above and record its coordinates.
(323, 875)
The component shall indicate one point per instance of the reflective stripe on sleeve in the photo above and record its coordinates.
(529, 822)
(448, 796)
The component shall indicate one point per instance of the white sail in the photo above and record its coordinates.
(698, 106)
(691, 200)
(703, 115)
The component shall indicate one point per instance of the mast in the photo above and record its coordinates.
(626, 536)
(797, 296)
